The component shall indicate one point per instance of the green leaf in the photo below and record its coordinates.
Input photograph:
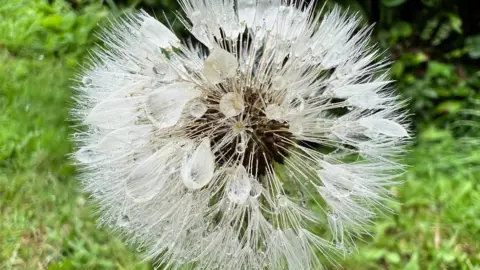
(434, 134)
(402, 29)
(451, 107)
(393, 3)
(473, 46)
(52, 22)
(455, 22)
(397, 69)
(375, 254)
(413, 263)
(439, 70)
(393, 258)
(414, 59)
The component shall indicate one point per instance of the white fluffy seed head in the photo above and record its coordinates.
(218, 159)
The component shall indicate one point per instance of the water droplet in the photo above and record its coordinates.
(158, 70)
(123, 221)
(256, 190)
(87, 81)
(164, 106)
(274, 112)
(340, 245)
(239, 186)
(158, 34)
(148, 178)
(282, 201)
(86, 155)
(333, 216)
(349, 108)
(198, 109)
(278, 83)
(198, 170)
(41, 57)
(384, 126)
(297, 104)
(220, 65)
(367, 101)
(240, 148)
(371, 133)
(296, 128)
(231, 104)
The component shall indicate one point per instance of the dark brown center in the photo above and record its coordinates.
(269, 138)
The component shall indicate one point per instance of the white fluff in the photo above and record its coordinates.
(183, 144)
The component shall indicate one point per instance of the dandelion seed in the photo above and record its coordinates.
(214, 154)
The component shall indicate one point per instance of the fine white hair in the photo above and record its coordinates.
(270, 144)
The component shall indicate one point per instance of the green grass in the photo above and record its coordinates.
(436, 225)
(47, 223)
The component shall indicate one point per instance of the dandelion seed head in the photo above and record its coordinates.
(229, 153)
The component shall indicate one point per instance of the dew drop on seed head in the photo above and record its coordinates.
(198, 109)
(295, 128)
(231, 104)
(124, 221)
(240, 148)
(371, 134)
(85, 155)
(282, 201)
(278, 83)
(273, 112)
(239, 186)
(256, 190)
(87, 81)
(297, 104)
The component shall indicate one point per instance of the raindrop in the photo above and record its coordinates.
(273, 112)
(333, 216)
(149, 176)
(158, 34)
(164, 106)
(239, 186)
(278, 83)
(220, 65)
(256, 190)
(123, 221)
(282, 201)
(295, 128)
(231, 104)
(86, 155)
(366, 101)
(87, 81)
(384, 126)
(297, 104)
(198, 170)
(198, 109)
(371, 133)
(158, 71)
(240, 148)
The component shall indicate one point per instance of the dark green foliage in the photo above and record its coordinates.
(435, 45)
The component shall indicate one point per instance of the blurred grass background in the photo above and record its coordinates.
(47, 223)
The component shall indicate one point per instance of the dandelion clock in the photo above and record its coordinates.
(266, 141)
